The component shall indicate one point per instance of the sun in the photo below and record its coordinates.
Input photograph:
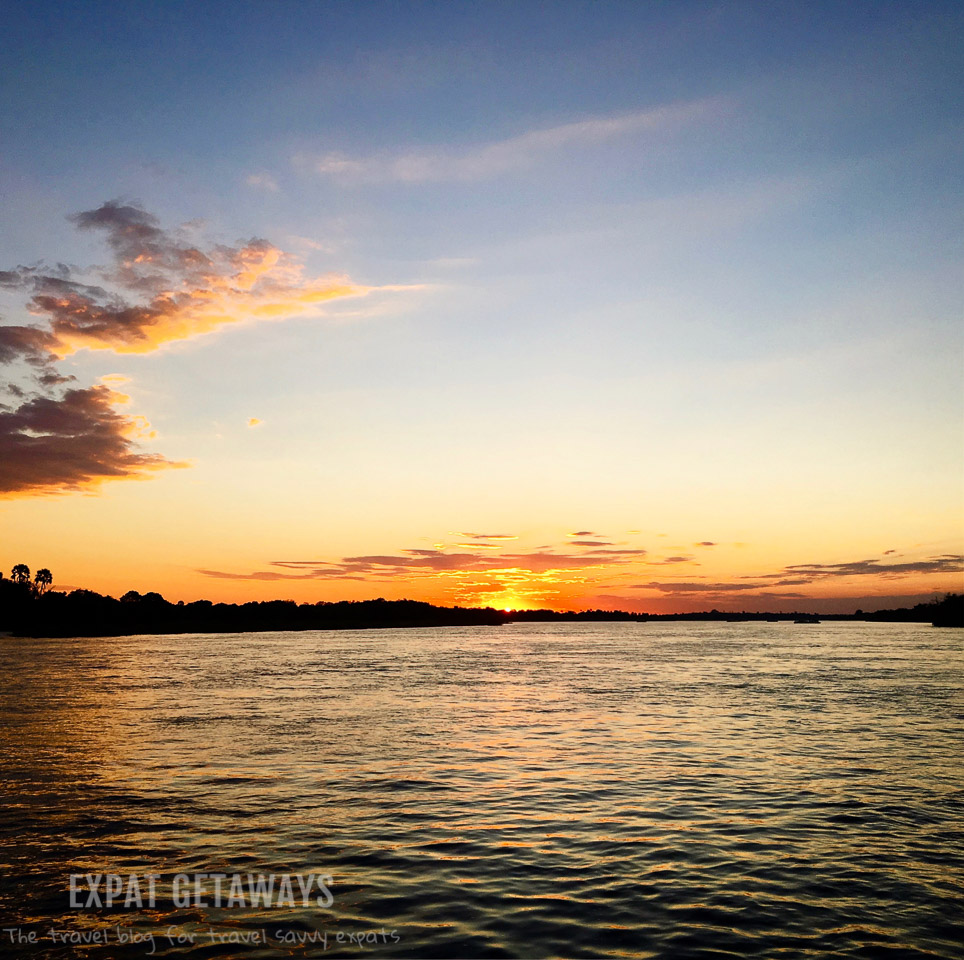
(509, 603)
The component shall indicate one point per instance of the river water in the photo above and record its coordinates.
(568, 790)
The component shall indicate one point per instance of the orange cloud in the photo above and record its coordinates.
(161, 288)
(53, 445)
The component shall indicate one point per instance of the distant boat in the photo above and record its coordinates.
(808, 619)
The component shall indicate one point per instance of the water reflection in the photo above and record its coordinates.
(533, 790)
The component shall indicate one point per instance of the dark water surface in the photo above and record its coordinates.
(594, 790)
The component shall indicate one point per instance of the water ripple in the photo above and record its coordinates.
(590, 790)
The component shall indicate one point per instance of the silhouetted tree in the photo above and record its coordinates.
(20, 573)
(949, 612)
(43, 579)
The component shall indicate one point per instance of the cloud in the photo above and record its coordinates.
(591, 543)
(536, 560)
(666, 560)
(604, 555)
(275, 575)
(583, 533)
(163, 288)
(488, 536)
(809, 572)
(484, 160)
(75, 441)
(804, 574)
(28, 344)
(547, 560)
(705, 543)
(263, 181)
(254, 422)
(695, 586)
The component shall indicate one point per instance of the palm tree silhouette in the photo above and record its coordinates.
(20, 573)
(43, 579)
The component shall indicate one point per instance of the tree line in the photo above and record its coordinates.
(28, 607)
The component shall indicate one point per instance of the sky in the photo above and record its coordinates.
(648, 306)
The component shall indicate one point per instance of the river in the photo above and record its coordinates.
(533, 790)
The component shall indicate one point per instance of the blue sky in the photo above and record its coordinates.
(633, 265)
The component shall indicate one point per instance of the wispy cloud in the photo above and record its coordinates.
(492, 158)
(488, 536)
(808, 572)
(696, 586)
(262, 181)
(803, 575)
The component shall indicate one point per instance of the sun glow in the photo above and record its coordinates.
(508, 602)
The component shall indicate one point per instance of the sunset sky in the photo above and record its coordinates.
(651, 306)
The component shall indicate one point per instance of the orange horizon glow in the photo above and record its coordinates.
(363, 458)
(479, 580)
